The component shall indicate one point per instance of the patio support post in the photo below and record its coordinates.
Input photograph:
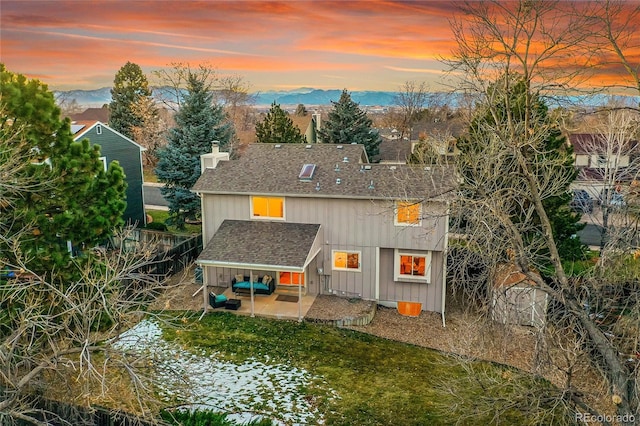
(251, 291)
(299, 298)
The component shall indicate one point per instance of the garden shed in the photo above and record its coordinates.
(516, 299)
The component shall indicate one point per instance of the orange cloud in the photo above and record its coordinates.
(272, 43)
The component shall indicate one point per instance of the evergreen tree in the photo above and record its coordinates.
(301, 110)
(277, 127)
(553, 151)
(199, 123)
(77, 201)
(347, 124)
(130, 84)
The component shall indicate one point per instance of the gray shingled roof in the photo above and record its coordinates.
(267, 169)
(245, 243)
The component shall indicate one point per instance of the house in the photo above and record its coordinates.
(321, 219)
(116, 146)
(308, 125)
(603, 163)
(92, 114)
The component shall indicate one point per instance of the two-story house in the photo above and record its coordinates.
(603, 163)
(321, 219)
(116, 146)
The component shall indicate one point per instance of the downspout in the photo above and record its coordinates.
(377, 276)
(444, 263)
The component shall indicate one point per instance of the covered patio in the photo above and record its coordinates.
(270, 307)
(254, 247)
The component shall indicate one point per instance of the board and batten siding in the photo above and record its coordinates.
(429, 294)
(115, 147)
(350, 225)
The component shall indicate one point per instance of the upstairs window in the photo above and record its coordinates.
(267, 207)
(408, 213)
(346, 260)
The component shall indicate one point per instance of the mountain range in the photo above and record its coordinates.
(305, 95)
(313, 97)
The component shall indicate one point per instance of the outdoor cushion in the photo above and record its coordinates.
(247, 285)
(239, 278)
(217, 300)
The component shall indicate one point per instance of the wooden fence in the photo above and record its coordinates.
(57, 413)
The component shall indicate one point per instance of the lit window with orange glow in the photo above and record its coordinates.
(291, 278)
(346, 260)
(408, 213)
(412, 266)
(267, 207)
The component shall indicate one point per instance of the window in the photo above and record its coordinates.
(104, 163)
(413, 266)
(346, 260)
(291, 278)
(268, 207)
(408, 213)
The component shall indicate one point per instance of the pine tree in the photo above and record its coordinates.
(199, 123)
(77, 201)
(130, 84)
(277, 127)
(552, 151)
(347, 124)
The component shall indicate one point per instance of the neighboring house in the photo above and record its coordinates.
(322, 220)
(308, 125)
(116, 146)
(395, 151)
(601, 163)
(92, 114)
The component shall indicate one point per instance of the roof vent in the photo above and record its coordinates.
(367, 167)
(371, 185)
(339, 147)
(308, 147)
(427, 169)
(318, 186)
(277, 145)
(345, 160)
(362, 167)
(338, 181)
(337, 167)
(392, 167)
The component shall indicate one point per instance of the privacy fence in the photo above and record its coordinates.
(56, 413)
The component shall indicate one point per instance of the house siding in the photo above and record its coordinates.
(349, 225)
(114, 147)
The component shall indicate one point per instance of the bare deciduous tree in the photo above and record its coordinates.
(61, 341)
(411, 99)
(150, 133)
(508, 178)
(616, 32)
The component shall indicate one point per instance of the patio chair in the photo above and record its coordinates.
(217, 300)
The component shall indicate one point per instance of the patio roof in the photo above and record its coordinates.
(269, 246)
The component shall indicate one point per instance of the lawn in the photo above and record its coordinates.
(160, 216)
(358, 379)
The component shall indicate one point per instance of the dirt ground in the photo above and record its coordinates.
(463, 334)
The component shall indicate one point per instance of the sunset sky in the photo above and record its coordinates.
(373, 45)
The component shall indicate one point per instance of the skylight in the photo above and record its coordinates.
(307, 172)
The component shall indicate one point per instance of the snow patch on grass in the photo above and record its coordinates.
(199, 380)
